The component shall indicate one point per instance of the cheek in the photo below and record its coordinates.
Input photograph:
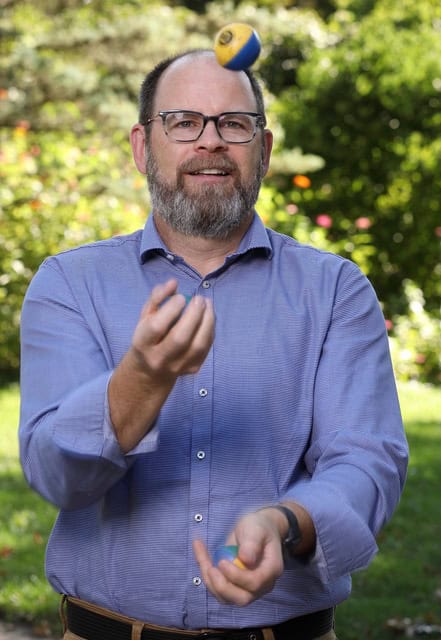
(165, 165)
(251, 167)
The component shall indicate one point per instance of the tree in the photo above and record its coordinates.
(353, 94)
(368, 102)
(69, 80)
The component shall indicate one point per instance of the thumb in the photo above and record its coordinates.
(251, 547)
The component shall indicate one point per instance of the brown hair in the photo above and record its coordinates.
(150, 84)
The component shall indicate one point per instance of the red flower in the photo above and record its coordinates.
(323, 220)
(363, 223)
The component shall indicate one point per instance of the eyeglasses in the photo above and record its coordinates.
(235, 127)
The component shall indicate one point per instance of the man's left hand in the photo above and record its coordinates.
(258, 536)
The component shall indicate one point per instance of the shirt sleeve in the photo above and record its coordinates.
(357, 457)
(68, 449)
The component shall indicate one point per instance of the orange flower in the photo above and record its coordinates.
(20, 132)
(301, 181)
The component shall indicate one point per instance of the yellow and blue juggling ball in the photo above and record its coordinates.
(228, 552)
(237, 46)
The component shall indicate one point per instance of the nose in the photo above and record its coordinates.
(210, 138)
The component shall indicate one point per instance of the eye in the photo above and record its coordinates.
(237, 123)
(184, 124)
(183, 121)
(234, 122)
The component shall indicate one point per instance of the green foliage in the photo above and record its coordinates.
(56, 192)
(416, 341)
(369, 104)
(68, 97)
(353, 89)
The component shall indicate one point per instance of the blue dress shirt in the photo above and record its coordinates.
(296, 400)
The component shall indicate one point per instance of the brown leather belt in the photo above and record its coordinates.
(95, 623)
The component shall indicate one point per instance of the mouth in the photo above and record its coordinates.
(211, 169)
(210, 172)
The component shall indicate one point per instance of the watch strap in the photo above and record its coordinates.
(294, 535)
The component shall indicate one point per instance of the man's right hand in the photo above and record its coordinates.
(170, 340)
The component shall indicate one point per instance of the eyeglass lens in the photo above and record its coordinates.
(184, 126)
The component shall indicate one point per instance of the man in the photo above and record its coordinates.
(262, 414)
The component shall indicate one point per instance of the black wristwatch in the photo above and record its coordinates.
(294, 535)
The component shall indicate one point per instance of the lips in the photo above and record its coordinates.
(210, 172)
(208, 167)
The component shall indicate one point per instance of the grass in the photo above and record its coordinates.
(401, 582)
(404, 578)
(25, 523)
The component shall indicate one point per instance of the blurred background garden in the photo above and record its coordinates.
(353, 94)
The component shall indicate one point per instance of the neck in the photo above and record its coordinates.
(203, 254)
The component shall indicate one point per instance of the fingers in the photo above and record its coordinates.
(187, 332)
(159, 294)
(233, 585)
(197, 324)
(217, 582)
(173, 338)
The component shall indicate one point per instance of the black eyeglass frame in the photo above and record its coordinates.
(259, 122)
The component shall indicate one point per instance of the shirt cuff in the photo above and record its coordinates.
(335, 555)
(88, 405)
(111, 448)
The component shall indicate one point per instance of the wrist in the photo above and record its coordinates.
(288, 527)
(135, 365)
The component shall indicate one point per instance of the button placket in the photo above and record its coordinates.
(202, 412)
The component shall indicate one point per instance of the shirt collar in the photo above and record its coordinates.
(255, 238)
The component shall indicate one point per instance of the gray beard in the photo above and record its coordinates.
(215, 211)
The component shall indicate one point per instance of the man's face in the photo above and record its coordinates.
(208, 187)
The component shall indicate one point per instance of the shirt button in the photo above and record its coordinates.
(197, 581)
(170, 257)
(206, 284)
(200, 455)
(203, 393)
(199, 517)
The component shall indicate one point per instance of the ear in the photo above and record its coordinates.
(137, 141)
(267, 147)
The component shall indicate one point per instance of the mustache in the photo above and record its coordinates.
(198, 164)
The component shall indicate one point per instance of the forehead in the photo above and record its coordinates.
(200, 83)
